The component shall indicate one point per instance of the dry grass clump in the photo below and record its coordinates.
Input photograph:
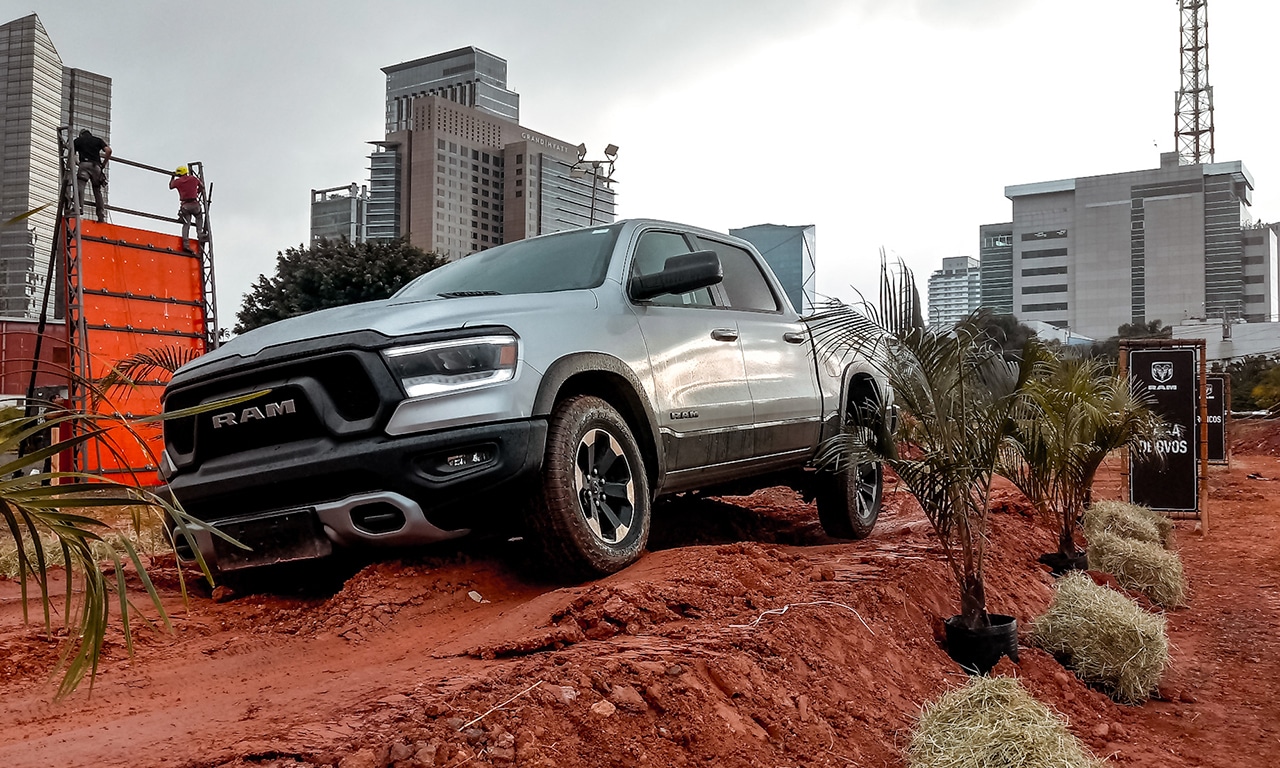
(1105, 637)
(1140, 566)
(993, 721)
(1129, 521)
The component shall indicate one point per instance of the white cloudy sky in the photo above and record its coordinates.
(887, 123)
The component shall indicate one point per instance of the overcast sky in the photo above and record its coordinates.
(886, 123)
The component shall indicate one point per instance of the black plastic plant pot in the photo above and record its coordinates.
(1063, 564)
(978, 650)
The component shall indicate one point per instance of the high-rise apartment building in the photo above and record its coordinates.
(955, 291)
(791, 254)
(37, 95)
(339, 213)
(1094, 253)
(456, 173)
(995, 256)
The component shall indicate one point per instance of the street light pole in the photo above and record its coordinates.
(595, 178)
(578, 169)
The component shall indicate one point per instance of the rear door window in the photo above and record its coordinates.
(744, 285)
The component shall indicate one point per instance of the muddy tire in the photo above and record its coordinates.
(590, 516)
(849, 500)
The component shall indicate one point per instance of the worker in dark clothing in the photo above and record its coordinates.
(94, 154)
(189, 188)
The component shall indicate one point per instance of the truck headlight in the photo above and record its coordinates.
(441, 367)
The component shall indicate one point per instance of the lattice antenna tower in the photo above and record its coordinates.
(1193, 112)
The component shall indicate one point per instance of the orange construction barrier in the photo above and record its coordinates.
(141, 293)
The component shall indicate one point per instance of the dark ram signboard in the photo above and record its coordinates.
(1169, 482)
(1215, 389)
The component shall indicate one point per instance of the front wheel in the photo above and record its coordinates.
(590, 516)
(849, 500)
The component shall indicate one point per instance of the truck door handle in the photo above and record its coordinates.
(794, 337)
(725, 334)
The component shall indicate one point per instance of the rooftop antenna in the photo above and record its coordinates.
(1193, 111)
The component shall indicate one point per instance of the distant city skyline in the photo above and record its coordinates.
(457, 173)
(885, 124)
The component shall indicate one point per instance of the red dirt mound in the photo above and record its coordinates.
(747, 638)
(1256, 436)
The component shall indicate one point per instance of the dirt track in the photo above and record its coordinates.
(684, 658)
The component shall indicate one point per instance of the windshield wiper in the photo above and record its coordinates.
(463, 294)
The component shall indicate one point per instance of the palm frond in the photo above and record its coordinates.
(151, 366)
(42, 511)
(1073, 414)
(957, 394)
(23, 216)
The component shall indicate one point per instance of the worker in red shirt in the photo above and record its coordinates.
(189, 209)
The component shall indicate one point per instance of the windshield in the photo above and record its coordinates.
(567, 261)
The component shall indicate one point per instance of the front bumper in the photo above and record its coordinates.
(379, 491)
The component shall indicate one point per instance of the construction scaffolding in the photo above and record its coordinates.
(127, 292)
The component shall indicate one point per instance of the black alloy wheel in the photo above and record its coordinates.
(590, 516)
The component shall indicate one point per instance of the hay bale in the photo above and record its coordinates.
(1140, 566)
(993, 721)
(1130, 521)
(1105, 637)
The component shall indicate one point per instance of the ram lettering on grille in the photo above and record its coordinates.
(254, 413)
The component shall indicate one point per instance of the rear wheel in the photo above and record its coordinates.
(591, 515)
(849, 500)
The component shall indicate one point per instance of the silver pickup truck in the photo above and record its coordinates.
(574, 377)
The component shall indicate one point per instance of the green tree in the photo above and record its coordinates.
(1266, 393)
(1006, 331)
(1110, 348)
(1152, 329)
(332, 273)
(1247, 373)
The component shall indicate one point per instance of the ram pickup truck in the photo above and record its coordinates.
(572, 378)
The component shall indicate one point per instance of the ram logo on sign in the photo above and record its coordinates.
(1162, 371)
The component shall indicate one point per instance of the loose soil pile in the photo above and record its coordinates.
(744, 638)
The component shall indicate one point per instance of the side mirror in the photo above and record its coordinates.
(681, 274)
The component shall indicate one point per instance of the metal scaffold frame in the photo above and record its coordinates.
(70, 243)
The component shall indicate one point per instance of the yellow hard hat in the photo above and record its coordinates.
(180, 170)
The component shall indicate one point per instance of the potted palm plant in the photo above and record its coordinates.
(1073, 413)
(957, 395)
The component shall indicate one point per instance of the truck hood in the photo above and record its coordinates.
(398, 317)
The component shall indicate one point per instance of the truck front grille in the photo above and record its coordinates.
(335, 395)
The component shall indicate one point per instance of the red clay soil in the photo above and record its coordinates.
(744, 638)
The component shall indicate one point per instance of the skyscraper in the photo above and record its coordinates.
(791, 253)
(954, 291)
(339, 212)
(37, 95)
(456, 173)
